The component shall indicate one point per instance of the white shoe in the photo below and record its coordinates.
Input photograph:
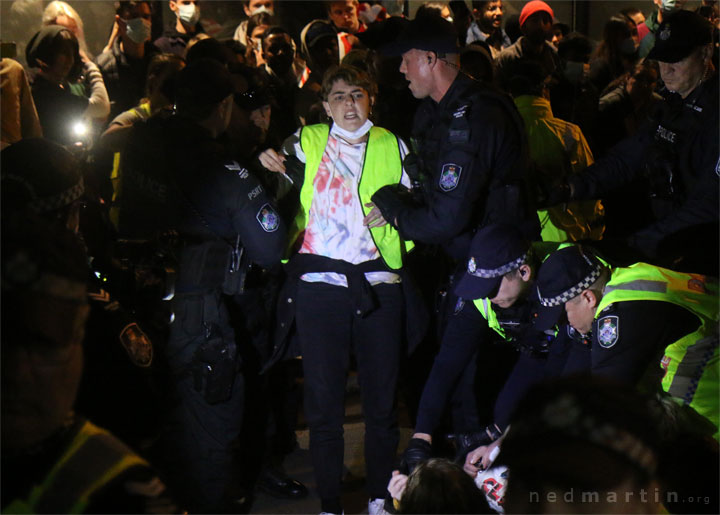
(376, 507)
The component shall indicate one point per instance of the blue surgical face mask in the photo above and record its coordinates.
(189, 14)
(138, 29)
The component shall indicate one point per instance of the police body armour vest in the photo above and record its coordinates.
(382, 166)
(691, 363)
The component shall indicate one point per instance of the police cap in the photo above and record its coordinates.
(430, 32)
(39, 174)
(495, 250)
(678, 35)
(563, 276)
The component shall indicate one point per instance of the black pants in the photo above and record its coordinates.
(453, 372)
(328, 329)
(199, 435)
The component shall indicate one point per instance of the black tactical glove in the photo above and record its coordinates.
(417, 451)
(388, 200)
(466, 442)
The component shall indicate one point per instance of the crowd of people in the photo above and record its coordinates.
(501, 225)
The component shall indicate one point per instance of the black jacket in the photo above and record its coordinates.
(473, 153)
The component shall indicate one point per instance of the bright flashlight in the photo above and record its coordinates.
(79, 129)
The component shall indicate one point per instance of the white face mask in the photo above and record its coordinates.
(351, 135)
(189, 14)
(669, 6)
(138, 29)
(263, 9)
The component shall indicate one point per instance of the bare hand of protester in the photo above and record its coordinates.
(273, 161)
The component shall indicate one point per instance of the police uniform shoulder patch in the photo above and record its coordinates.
(665, 34)
(268, 218)
(137, 344)
(608, 331)
(450, 176)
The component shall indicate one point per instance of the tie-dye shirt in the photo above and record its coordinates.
(335, 222)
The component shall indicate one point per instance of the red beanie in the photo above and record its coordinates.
(533, 7)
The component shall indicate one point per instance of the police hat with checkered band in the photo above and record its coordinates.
(41, 175)
(564, 276)
(495, 250)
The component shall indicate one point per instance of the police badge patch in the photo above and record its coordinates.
(608, 331)
(450, 176)
(137, 344)
(268, 218)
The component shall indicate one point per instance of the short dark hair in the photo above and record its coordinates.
(328, 3)
(351, 75)
(272, 31)
(125, 6)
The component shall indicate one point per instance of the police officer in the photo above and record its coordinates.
(185, 181)
(117, 387)
(53, 459)
(636, 315)
(495, 304)
(470, 144)
(674, 158)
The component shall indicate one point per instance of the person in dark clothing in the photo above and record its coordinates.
(649, 326)
(495, 302)
(117, 383)
(54, 460)
(672, 162)
(187, 25)
(319, 45)
(471, 160)
(536, 26)
(124, 65)
(183, 180)
(471, 149)
(278, 53)
(616, 54)
(54, 52)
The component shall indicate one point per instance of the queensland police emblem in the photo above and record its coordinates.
(608, 331)
(472, 266)
(268, 218)
(450, 176)
(665, 34)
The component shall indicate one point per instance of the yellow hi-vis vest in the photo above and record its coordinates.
(92, 460)
(382, 166)
(691, 363)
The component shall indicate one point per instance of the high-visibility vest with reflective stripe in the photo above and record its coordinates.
(692, 363)
(382, 166)
(91, 461)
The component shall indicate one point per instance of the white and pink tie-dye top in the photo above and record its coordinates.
(335, 222)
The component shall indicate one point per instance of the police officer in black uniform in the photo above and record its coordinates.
(180, 178)
(470, 147)
(674, 158)
(471, 156)
(118, 385)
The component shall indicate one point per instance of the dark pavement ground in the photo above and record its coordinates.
(297, 465)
